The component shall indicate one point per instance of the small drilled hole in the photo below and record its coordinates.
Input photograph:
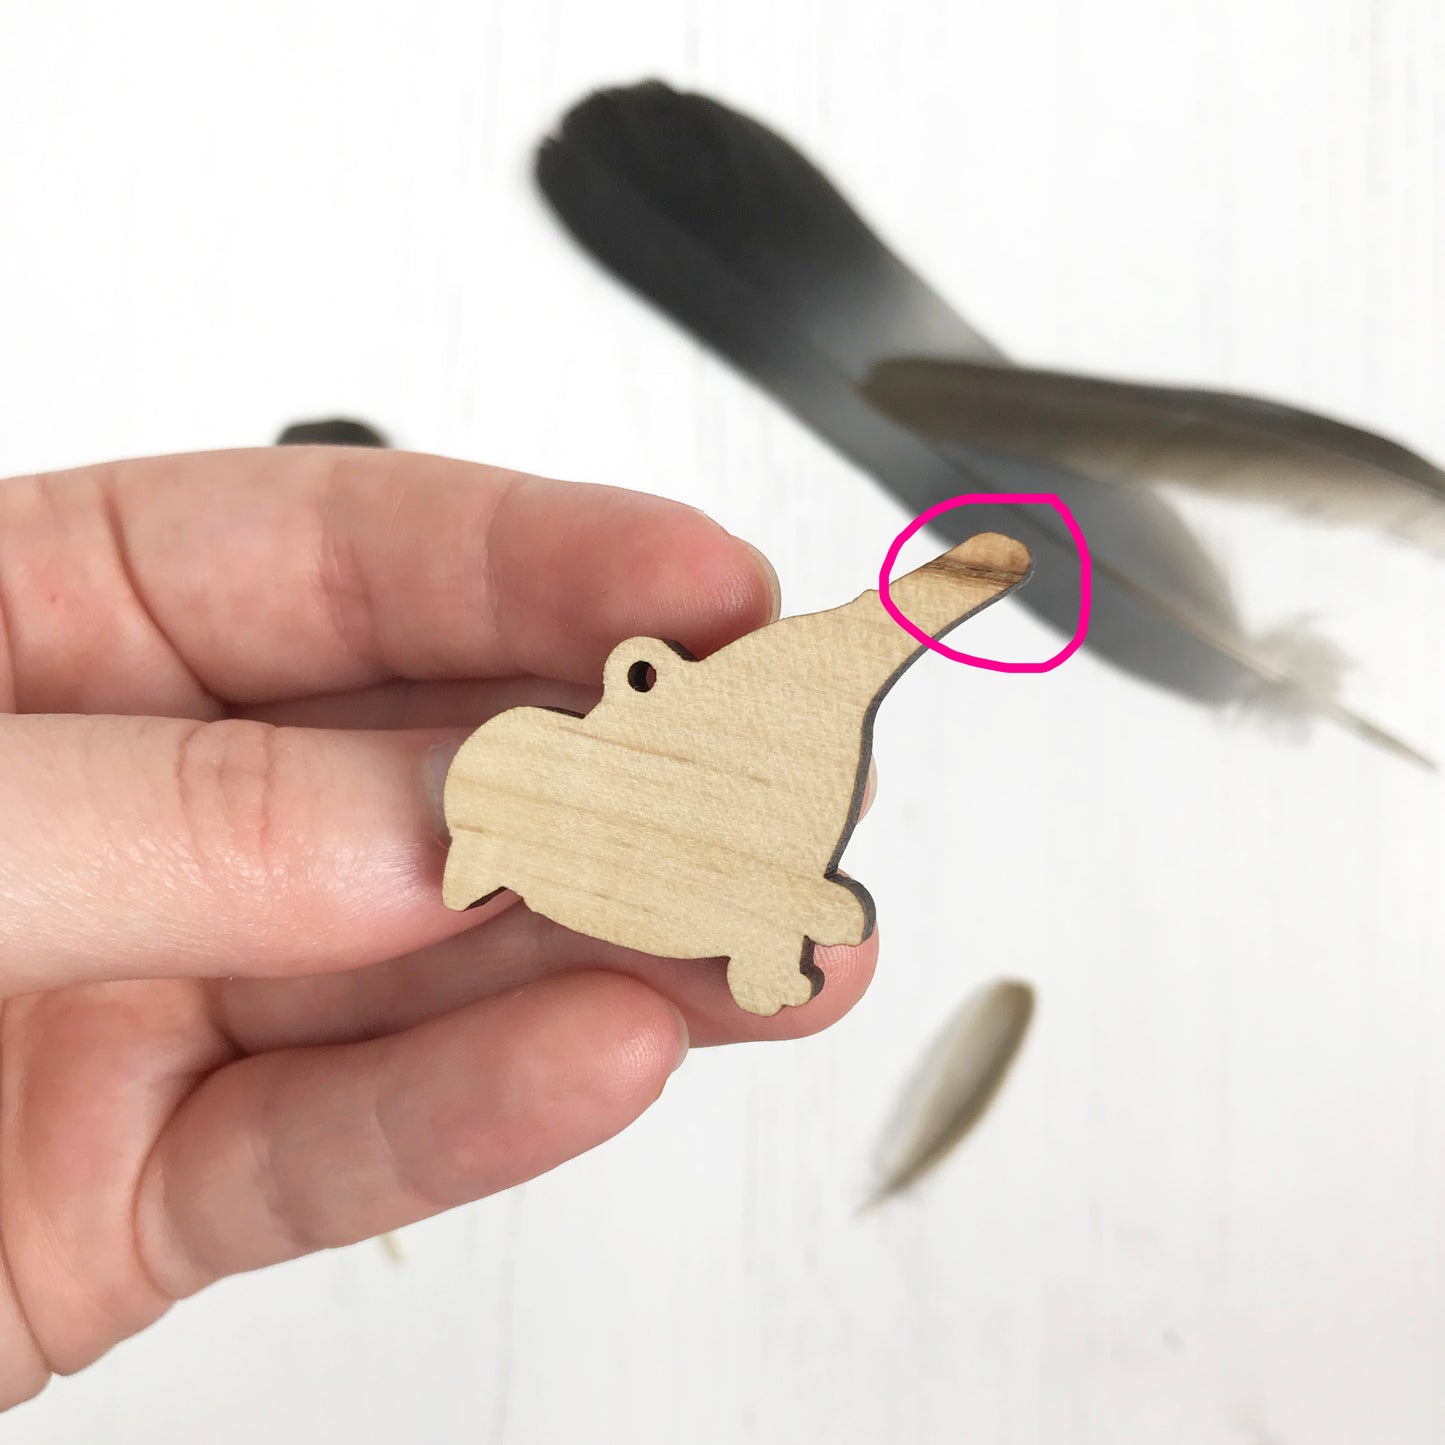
(641, 676)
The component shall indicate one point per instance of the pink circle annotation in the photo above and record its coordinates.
(1086, 579)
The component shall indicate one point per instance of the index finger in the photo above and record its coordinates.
(269, 574)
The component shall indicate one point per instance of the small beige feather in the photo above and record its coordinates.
(953, 1088)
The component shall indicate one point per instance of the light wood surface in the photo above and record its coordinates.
(701, 808)
(1209, 1208)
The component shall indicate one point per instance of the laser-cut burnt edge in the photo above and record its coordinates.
(860, 785)
(485, 899)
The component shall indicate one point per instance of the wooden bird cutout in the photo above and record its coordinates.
(700, 809)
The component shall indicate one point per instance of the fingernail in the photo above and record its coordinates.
(774, 586)
(684, 1042)
(435, 765)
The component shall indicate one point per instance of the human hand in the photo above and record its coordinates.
(236, 1022)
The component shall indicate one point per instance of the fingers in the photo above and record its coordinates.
(513, 950)
(299, 1150)
(145, 847)
(516, 948)
(163, 586)
(88, 1077)
(403, 704)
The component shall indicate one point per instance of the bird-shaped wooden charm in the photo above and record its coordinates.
(701, 808)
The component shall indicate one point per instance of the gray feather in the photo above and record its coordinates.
(1212, 442)
(335, 431)
(736, 236)
(957, 1082)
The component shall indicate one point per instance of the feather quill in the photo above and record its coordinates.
(958, 1080)
(726, 228)
(1213, 442)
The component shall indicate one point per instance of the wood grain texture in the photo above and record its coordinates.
(1209, 1211)
(701, 808)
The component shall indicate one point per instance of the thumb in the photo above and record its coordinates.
(150, 847)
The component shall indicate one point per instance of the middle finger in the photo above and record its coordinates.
(513, 949)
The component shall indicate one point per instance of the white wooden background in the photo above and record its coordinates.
(1210, 1207)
